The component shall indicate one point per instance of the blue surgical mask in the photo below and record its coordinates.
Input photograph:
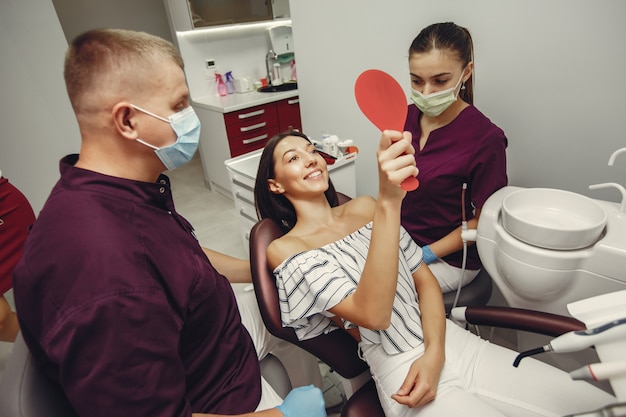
(434, 104)
(186, 125)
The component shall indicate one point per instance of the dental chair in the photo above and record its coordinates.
(26, 392)
(339, 350)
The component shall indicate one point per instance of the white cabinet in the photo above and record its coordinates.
(242, 172)
(214, 150)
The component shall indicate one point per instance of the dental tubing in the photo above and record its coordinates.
(580, 339)
(463, 262)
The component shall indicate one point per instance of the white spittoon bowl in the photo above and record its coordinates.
(553, 219)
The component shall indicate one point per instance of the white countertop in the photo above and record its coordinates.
(238, 101)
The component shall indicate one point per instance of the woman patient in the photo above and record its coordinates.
(353, 266)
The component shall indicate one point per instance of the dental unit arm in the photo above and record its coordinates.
(570, 335)
(580, 339)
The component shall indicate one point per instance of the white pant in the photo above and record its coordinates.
(269, 398)
(448, 276)
(478, 379)
(301, 366)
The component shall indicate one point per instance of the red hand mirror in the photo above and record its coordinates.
(383, 102)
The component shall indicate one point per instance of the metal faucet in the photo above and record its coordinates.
(270, 56)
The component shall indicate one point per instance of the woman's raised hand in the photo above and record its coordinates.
(395, 163)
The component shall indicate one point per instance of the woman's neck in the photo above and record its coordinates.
(312, 215)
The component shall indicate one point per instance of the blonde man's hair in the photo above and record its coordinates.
(104, 59)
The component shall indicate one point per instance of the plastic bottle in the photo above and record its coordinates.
(294, 75)
(326, 143)
(277, 79)
(333, 145)
(221, 87)
(230, 85)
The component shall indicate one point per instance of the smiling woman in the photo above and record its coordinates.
(278, 206)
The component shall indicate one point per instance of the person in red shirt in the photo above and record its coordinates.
(16, 216)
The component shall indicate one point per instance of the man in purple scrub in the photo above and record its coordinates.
(118, 302)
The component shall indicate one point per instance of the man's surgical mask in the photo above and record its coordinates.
(434, 104)
(186, 125)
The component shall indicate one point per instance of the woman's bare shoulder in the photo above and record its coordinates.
(282, 248)
(363, 206)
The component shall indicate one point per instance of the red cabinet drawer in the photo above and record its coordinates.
(250, 129)
(250, 141)
(243, 122)
(289, 114)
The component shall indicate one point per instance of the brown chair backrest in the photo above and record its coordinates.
(337, 349)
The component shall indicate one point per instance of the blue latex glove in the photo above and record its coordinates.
(304, 402)
(428, 255)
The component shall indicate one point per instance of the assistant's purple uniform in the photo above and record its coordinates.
(471, 149)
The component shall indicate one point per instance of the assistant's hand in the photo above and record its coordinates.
(420, 385)
(304, 402)
(396, 162)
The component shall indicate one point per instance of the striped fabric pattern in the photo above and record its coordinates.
(311, 282)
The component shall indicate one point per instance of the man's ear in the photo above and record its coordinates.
(275, 187)
(123, 115)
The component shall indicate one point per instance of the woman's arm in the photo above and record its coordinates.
(452, 242)
(420, 385)
(235, 269)
(371, 303)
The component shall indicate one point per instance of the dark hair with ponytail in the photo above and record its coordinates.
(453, 38)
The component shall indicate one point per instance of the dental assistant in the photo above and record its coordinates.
(455, 144)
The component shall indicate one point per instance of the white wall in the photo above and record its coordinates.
(38, 125)
(144, 15)
(240, 49)
(550, 74)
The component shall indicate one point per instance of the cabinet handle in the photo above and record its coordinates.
(251, 114)
(252, 127)
(256, 139)
(294, 101)
(244, 199)
(247, 216)
(241, 184)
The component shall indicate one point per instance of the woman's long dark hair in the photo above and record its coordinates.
(276, 206)
(451, 37)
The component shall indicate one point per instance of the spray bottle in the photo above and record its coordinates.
(230, 85)
(221, 87)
